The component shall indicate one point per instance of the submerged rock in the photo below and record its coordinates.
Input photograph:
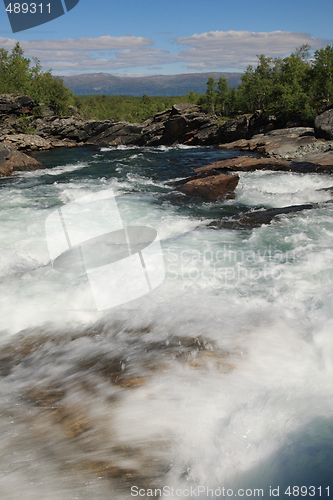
(75, 389)
(256, 218)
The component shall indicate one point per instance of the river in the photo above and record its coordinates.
(217, 383)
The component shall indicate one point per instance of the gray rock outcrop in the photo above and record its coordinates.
(17, 104)
(289, 144)
(323, 125)
(184, 123)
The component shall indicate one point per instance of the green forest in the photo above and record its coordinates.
(24, 75)
(297, 87)
(124, 108)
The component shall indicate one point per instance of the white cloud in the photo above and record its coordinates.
(238, 49)
(91, 44)
(215, 50)
(105, 53)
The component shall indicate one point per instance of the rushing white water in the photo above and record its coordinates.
(222, 377)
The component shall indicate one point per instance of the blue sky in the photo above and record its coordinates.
(147, 37)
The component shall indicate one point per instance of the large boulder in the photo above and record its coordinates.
(16, 104)
(233, 129)
(323, 125)
(182, 124)
(211, 187)
(64, 127)
(13, 161)
(121, 133)
(189, 127)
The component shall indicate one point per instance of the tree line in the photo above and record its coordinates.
(295, 87)
(19, 74)
(124, 108)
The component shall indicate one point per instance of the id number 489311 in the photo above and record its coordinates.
(311, 491)
(25, 8)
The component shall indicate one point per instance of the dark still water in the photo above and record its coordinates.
(215, 383)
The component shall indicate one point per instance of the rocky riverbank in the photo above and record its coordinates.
(184, 123)
(300, 149)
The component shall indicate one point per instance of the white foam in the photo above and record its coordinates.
(279, 189)
(240, 414)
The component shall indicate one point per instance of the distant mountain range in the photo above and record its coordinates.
(164, 85)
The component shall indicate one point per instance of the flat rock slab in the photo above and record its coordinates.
(320, 160)
(288, 144)
(27, 142)
(321, 163)
(14, 161)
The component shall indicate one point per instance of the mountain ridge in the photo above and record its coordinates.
(155, 85)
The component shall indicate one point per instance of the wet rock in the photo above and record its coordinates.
(323, 125)
(320, 162)
(74, 391)
(210, 188)
(73, 423)
(256, 218)
(326, 189)
(244, 164)
(13, 161)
